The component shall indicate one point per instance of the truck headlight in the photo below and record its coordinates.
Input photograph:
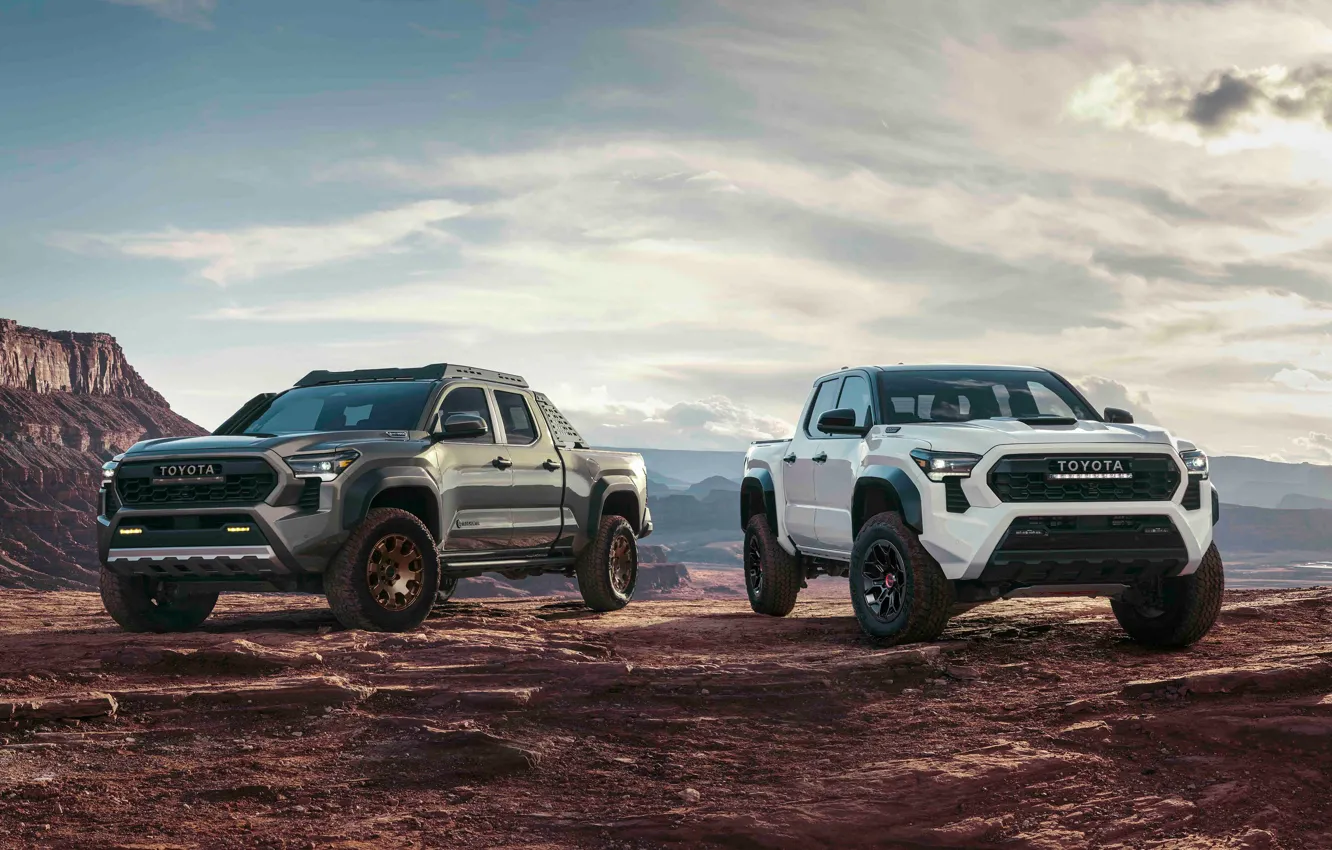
(325, 467)
(109, 468)
(1195, 462)
(939, 466)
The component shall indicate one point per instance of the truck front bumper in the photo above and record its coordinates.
(289, 538)
(1035, 544)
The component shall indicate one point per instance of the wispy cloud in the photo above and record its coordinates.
(194, 12)
(229, 256)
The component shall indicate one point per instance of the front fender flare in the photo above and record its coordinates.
(359, 494)
(902, 489)
(759, 479)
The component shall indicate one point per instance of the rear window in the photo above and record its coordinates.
(965, 395)
(388, 406)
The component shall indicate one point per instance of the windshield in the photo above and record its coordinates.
(388, 406)
(964, 395)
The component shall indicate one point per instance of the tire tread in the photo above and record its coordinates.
(346, 571)
(931, 601)
(592, 566)
(1203, 593)
(782, 573)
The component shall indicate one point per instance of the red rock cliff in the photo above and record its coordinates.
(68, 401)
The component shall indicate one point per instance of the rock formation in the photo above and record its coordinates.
(68, 401)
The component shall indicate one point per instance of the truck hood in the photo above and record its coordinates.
(982, 435)
(283, 446)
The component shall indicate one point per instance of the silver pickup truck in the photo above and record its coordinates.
(379, 488)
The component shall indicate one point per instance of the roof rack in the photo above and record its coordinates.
(433, 372)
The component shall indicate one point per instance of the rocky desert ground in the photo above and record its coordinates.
(681, 721)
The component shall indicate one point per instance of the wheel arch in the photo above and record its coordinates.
(613, 494)
(885, 488)
(408, 489)
(758, 495)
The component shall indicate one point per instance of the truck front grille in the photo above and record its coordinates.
(245, 481)
(1026, 478)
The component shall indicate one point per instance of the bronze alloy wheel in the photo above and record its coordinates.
(885, 581)
(395, 572)
(621, 564)
(754, 563)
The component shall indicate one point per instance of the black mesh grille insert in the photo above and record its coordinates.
(112, 502)
(954, 498)
(1023, 478)
(1193, 494)
(309, 500)
(244, 481)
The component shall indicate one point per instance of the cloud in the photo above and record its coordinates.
(1254, 107)
(1317, 444)
(1104, 392)
(712, 422)
(195, 12)
(251, 252)
(1302, 379)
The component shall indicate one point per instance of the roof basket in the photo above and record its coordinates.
(433, 372)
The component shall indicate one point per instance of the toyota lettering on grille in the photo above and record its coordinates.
(1094, 468)
(188, 473)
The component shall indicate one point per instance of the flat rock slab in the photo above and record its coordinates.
(1230, 680)
(79, 707)
(313, 692)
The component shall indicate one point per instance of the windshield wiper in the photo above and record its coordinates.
(256, 434)
(1047, 419)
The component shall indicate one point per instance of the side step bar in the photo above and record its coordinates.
(535, 566)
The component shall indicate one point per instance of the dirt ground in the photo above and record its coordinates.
(677, 722)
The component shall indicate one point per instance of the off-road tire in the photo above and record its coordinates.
(447, 587)
(136, 604)
(346, 582)
(593, 566)
(774, 581)
(927, 596)
(1191, 603)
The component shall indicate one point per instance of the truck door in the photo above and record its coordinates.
(475, 487)
(805, 454)
(538, 473)
(835, 478)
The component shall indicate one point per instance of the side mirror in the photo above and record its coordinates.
(841, 421)
(462, 426)
(1118, 417)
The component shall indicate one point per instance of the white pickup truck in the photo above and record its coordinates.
(934, 488)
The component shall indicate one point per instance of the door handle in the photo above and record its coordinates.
(501, 463)
(550, 466)
(791, 458)
(821, 457)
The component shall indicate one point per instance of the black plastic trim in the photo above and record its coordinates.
(908, 496)
(762, 479)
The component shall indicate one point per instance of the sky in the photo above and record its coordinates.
(672, 216)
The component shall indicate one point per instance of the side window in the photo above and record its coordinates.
(856, 396)
(518, 423)
(824, 400)
(468, 400)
